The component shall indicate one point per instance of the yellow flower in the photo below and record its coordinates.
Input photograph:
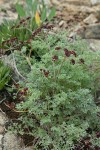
(37, 18)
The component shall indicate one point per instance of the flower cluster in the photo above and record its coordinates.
(23, 91)
(68, 53)
(46, 73)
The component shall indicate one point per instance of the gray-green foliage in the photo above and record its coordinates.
(60, 104)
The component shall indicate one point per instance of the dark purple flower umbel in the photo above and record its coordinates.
(55, 58)
(46, 73)
(73, 61)
(67, 52)
(57, 48)
(74, 53)
(98, 134)
(82, 61)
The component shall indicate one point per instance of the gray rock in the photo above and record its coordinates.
(91, 19)
(94, 44)
(90, 32)
(0, 148)
(2, 129)
(94, 2)
(93, 31)
(12, 142)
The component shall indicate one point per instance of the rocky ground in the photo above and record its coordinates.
(80, 17)
(9, 141)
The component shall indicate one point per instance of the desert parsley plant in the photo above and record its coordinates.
(59, 110)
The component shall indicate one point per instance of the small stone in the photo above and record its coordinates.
(91, 19)
(55, 29)
(2, 129)
(61, 23)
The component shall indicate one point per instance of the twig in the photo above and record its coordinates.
(22, 111)
(1, 101)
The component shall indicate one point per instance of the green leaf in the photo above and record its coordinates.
(20, 10)
(43, 16)
(35, 4)
(4, 75)
(52, 14)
